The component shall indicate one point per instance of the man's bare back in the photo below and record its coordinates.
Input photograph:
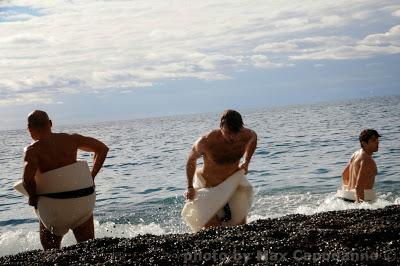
(360, 172)
(51, 151)
(369, 166)
(59, 149)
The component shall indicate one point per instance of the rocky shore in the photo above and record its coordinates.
(351, 237)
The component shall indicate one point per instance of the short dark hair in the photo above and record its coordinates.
(38, 119)
(232, 119)
(367, 134)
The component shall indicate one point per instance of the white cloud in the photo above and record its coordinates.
(372, 45)
(59, 47)
(396, 13)
(16, 17)
(277, 47)
(25, 98)
(362, 15)
(23, 39)
(291, 23)
(390, 38)
(334, 20)
(304, 45)
(262, 61)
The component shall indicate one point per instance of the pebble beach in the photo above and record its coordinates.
(363, 237)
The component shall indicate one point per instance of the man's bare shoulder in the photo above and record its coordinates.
(31, 148)
(65, 138)
(64, 135)
(249, 133)
(202, 143)
(365, 159)
(212, 135)
(31, 152)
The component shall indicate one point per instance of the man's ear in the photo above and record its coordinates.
(363, 143)
(51, 123)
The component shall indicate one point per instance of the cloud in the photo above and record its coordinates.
(23, 39)
(261, 61)
(396, 13)
(390, 38)
(372, 45)
(25, 98)
(277, 47)
(304, 45)
(53, 48)
(16, 17)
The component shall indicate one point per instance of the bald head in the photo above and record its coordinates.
(38, 119)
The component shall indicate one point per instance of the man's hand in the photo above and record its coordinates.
(245, 167)
(359, 201)
(33, 201)
(190, 193)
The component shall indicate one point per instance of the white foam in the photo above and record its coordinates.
(331, 203)
(13, 242)
(309, 203)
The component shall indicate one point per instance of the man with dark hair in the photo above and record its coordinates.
(360, 172)
(232, 119)
(51, 151)
(221, 149)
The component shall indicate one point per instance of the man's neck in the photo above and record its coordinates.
(45, 135)
(368, 152)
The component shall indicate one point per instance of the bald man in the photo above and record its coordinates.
(50, 151)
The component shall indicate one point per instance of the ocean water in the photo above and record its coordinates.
(302, 150)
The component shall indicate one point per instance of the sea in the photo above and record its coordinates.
(296, 169)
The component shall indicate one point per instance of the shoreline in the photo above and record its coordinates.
(336, 237)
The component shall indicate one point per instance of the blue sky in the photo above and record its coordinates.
(92, 60)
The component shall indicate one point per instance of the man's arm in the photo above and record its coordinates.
(361, 180)
(346, 175)
(93, 145)
(31, 165)
(250, 148)
(195, 153)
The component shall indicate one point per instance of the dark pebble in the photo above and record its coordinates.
(350, 237)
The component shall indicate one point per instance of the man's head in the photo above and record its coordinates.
(369, 139)
(231, 123)
(38, 123)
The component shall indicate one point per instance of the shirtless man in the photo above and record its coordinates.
(360, 172)
(222, 150)
(51, 151)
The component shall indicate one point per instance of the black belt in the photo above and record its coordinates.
(70, 194)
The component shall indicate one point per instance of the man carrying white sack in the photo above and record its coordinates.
(221, 149)
(59, 187)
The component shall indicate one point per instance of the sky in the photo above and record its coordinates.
(90, 61)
